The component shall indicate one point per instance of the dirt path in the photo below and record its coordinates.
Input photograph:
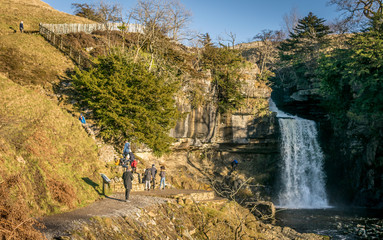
(114, 205)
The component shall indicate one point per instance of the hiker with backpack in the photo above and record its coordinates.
(162, 175)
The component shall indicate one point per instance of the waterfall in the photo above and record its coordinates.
(302, 176)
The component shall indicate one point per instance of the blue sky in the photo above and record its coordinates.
(245, 18)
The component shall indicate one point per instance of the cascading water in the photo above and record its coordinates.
(302, 178)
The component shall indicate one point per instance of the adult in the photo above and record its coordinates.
(234, 165)
(127, 177)
(153, 171)
(147, 177)
(126, 149)
(162, 175)
(82, 119)
(21, 27)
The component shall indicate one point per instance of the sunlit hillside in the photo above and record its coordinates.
(28, 58)
(31, 12)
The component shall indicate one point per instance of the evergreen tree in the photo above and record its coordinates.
(299, 53)
(352, 81)
(224, 64)
(128, 101)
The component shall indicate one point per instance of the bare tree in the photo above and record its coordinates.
(359, 8)
(267, 49)
(160, 18)
(151, 15)
(178, 17)
(290, 21)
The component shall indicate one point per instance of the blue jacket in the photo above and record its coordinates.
(82, 119)
(126, 147)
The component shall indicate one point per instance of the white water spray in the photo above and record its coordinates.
(302, 178)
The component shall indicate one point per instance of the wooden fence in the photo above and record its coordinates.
(89, 28)
(56, 40)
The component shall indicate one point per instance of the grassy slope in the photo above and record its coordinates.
(47, 161)
(26, 58)
(47, 149)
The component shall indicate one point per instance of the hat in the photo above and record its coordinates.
(153, 165)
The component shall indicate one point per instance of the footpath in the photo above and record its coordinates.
(115, 205)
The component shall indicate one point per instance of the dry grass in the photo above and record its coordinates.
(31, 12)
(29, 59)
(48, 149)
(25, 58)
(14, 223)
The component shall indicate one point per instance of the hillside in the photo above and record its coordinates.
(28, 58)
(48, 162)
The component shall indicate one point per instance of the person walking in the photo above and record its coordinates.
(21, 27)
(127, 177)
(126, 149)
(148, 178)
(162, 175)
(153, 171)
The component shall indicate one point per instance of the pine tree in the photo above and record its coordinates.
(300, 52)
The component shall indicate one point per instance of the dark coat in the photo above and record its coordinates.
(153, 171)
(127, 177)
(162, 173)
(148, 175)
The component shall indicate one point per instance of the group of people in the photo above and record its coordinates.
(129, 163)
(150, 178)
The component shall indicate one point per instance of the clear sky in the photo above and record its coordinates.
(245, 18)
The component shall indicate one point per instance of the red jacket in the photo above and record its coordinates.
(134, 163)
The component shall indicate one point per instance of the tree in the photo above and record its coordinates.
(359, 8)
(178, 18)
(357, 12)
(87, 11)
(224, 64)
(352, 82)
(290, 21)
(267, 51)
(160, 18)
(299, 53)
(128, 101)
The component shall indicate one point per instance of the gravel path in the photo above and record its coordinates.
(114, 205)
(110, 206)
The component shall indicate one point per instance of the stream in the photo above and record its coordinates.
(338, 223)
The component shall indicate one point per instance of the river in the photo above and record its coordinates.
(338, 223)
